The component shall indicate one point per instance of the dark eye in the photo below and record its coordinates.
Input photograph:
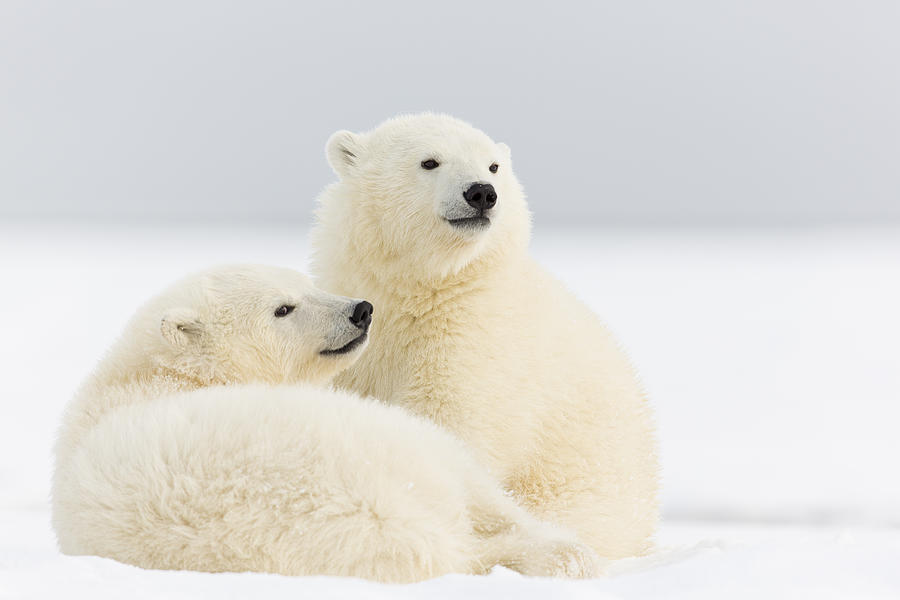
(493, 168)
(284, 310)
(430, 164)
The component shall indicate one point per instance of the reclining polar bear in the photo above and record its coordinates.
(199, 443)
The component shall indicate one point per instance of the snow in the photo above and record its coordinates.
(770, 357)
(702, 561)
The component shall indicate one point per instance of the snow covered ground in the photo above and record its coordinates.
(702, 561)
(771, 358)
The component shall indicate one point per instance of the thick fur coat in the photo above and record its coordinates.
(476, 336)
(200, 443)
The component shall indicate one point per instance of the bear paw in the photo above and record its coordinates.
(573, 559)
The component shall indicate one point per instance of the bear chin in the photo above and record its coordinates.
(470, 223)
(347, 348)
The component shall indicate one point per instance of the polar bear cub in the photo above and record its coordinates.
(428, 221)
(201, 443)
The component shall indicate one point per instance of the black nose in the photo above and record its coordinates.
(481, 196)
(362, 314)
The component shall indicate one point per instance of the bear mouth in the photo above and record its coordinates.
(348, 347)
(479, 222)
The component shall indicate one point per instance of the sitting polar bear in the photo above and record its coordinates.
(181, 452)
(428, 221)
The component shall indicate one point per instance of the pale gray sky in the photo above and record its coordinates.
(638, 112)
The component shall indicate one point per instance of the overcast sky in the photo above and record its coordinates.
(616, 112)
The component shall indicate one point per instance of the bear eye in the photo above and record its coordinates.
(493, 168)
(284, 310)
(430, 164)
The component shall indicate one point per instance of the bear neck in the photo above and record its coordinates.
(138, 363)
(408, 289)
(153, 382)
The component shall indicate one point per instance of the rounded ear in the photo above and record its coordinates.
(181, 327)
(344, 152)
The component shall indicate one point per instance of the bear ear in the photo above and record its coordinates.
(181, 327)
(344, 152)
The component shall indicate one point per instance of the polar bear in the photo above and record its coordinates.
(200, 443)
(429, 222)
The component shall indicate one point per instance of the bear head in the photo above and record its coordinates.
(247, 323)
(426, 193)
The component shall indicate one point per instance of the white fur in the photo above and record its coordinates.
(197, 445)
(474, 335)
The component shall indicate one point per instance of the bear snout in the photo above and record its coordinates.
(362, 315)
(481, 196)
